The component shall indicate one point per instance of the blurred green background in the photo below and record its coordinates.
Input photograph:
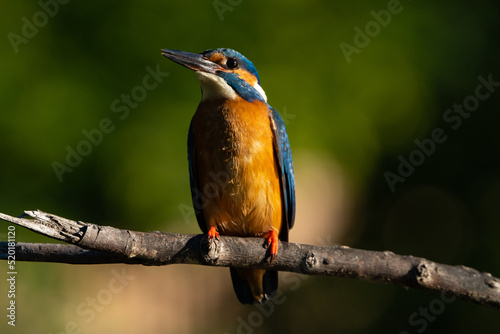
(351, 117)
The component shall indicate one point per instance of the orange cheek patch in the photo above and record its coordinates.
(216, 57)
(247, 76)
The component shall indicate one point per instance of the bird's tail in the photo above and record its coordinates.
(254, 285)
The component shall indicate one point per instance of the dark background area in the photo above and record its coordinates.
(352, 117)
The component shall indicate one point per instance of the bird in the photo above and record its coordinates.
(240, 162)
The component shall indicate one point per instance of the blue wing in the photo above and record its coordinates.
(284, 159)
(194, 182)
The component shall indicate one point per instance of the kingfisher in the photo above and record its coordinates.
(240, 162)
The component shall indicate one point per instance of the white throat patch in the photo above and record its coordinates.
(214, 87)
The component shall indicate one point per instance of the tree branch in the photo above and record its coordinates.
(93, 244)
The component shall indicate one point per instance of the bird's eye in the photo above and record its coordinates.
(231, 63)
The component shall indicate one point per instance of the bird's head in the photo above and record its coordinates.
(223, 73)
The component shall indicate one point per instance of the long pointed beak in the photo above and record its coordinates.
(193, 61)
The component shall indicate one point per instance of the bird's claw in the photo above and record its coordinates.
(272, 244)
(212, 234)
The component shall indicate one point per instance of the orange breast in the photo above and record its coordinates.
(236, 167)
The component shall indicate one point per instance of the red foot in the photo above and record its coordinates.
(212, 234)
(272, 244)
